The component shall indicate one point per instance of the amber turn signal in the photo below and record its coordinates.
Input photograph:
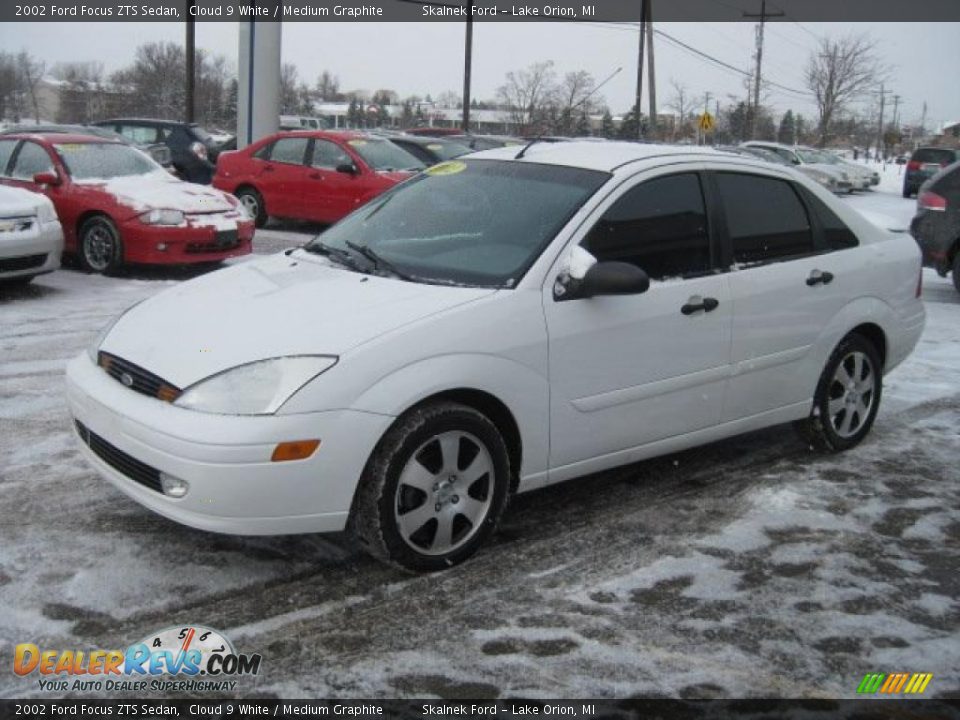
(294, 450)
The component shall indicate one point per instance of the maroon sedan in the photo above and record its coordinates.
(312, 175)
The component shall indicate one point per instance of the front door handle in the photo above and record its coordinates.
(819, 278)
(268, 168)
(316, 176)
(697, 303)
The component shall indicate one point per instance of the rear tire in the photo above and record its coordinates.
(847, 397)
(100, 246)
(253, 202)
(956, 270)
(434, 489)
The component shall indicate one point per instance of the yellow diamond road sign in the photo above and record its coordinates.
(706, 122)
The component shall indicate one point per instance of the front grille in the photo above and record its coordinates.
(136, 378)
(223, 240)
(27, 262)
(116, 458)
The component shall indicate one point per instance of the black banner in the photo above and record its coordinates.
(478, 10)
(875, 709)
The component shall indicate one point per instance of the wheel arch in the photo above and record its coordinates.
(875, 334)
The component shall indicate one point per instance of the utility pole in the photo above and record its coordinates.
(923, 119)
(756, 80)
(883, 99)
(896, 107)
(191, 49)
(643, 35)
(467, 66)
(652, 76)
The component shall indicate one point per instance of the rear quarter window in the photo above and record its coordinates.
(836, 234)
(941, 156)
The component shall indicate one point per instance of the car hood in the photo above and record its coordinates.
(160, 189)
(17, 202)
(266, 308)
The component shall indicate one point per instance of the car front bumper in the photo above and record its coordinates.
(32, 252)
(184, 244)
(226, 460)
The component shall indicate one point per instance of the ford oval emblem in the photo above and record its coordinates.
(127, 379)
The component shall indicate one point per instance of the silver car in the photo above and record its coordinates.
(31, 239)
(809, 162)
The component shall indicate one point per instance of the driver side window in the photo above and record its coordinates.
(659, 225)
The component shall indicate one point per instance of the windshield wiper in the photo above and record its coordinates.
(341, 256)
(378, 261)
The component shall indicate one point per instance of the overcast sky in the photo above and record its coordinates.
(421, 58)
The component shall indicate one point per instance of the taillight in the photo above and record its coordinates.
(914, 165)
(199, 149)
(929, 200)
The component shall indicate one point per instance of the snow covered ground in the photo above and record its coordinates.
(753, 567)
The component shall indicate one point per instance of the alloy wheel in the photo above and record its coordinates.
(444, 493)
(851, 394)
(99, 247)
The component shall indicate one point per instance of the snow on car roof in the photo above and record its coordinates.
(62, 138)
(606, 156)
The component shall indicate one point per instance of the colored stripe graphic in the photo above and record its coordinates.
(907, 683)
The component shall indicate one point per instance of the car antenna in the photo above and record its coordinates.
(586, 97)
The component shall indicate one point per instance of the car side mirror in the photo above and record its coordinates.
(795, 161)
(602, 278)
(348, 169)
(46, 178)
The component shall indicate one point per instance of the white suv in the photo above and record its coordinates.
(493, 325)
(31, 240)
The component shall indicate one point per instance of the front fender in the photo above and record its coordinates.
(525, 393)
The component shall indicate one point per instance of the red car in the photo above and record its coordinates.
(118, 206)
(312, 175)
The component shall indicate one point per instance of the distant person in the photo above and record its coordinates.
(856, 154)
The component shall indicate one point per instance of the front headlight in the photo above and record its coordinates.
(258, 388)
(163, 216)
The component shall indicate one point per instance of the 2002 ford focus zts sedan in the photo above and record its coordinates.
(494, 325)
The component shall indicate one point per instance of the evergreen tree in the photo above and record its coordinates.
(607, 127)
(788, 129)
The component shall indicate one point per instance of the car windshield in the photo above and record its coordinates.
(479, 222)
(384, 155)
(768, 155)
(89, 161)
(812, 156)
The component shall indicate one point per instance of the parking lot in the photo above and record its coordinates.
(752, 567)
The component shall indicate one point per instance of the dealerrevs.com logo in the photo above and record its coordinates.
(178, 658)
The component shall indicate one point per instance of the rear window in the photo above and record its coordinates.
(940, 156)
(765, 219)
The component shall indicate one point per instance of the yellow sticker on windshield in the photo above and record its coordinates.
(451, 167)
(356, 143)
(434, 146)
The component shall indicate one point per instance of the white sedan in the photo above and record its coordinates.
(496, 324)
(31, 240)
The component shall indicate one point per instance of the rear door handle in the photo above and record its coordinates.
(268, 168)
(696, 304)
(819, 278)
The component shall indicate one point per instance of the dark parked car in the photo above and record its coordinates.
(194, 151)
(936, 226)
(157, 150)
(486, 142)
(429, 150)
(924, 164)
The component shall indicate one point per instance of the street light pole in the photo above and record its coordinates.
(467, 67)
(191, 43)
(643, 36)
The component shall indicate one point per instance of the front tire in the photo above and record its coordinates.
(253, 202)
(434, 489)
(101, 250)
(847, 397)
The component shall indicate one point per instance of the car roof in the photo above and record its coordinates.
(424, 140)
(329, 134)
(606, 157)
(61, 138)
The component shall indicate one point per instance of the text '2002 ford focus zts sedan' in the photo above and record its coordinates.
(494, 325)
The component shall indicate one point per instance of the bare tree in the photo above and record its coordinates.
(29, 72)
(838, 73)
(527, 94)
(289, 97)
(328, 86)
(681, 102)
(573, 100)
